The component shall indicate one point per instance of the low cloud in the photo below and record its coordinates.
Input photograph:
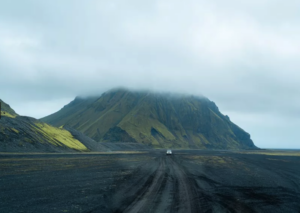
(242, 55)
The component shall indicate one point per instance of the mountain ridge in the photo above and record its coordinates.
(26, 134)
(156, 119)
(6, 110)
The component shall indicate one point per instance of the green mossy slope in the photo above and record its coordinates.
(6, 110)
(20, 133)
(159, 120)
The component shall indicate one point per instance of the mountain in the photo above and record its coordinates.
(26, 134)
(6, 110)
(158, 120)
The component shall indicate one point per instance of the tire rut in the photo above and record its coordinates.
(169, 189)
(144, 200)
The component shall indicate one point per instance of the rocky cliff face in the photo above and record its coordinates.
(158, 120)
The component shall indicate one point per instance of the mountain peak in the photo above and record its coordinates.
(161, 120)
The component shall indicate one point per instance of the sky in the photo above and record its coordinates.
(243, 55)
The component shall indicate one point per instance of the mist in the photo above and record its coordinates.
(243, 56)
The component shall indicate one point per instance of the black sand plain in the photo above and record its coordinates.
(149, 181)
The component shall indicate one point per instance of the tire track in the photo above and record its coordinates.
(186, 190)
(144, 200)
(169, 190)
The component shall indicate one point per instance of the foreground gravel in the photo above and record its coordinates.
(187, 181)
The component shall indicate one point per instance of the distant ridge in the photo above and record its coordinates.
(155, 119)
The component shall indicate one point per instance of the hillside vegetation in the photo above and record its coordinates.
(20, 133)
(6, 110)
(158, 120)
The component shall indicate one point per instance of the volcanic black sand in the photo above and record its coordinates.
(187, 181)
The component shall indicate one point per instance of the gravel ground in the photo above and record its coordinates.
(187, 181)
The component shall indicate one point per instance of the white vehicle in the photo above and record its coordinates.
(169, 152)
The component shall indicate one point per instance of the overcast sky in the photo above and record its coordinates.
(244, 56)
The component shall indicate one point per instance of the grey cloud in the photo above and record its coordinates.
(242, 55)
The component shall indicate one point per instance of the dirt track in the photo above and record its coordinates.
(188, 181)
(165, 188)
